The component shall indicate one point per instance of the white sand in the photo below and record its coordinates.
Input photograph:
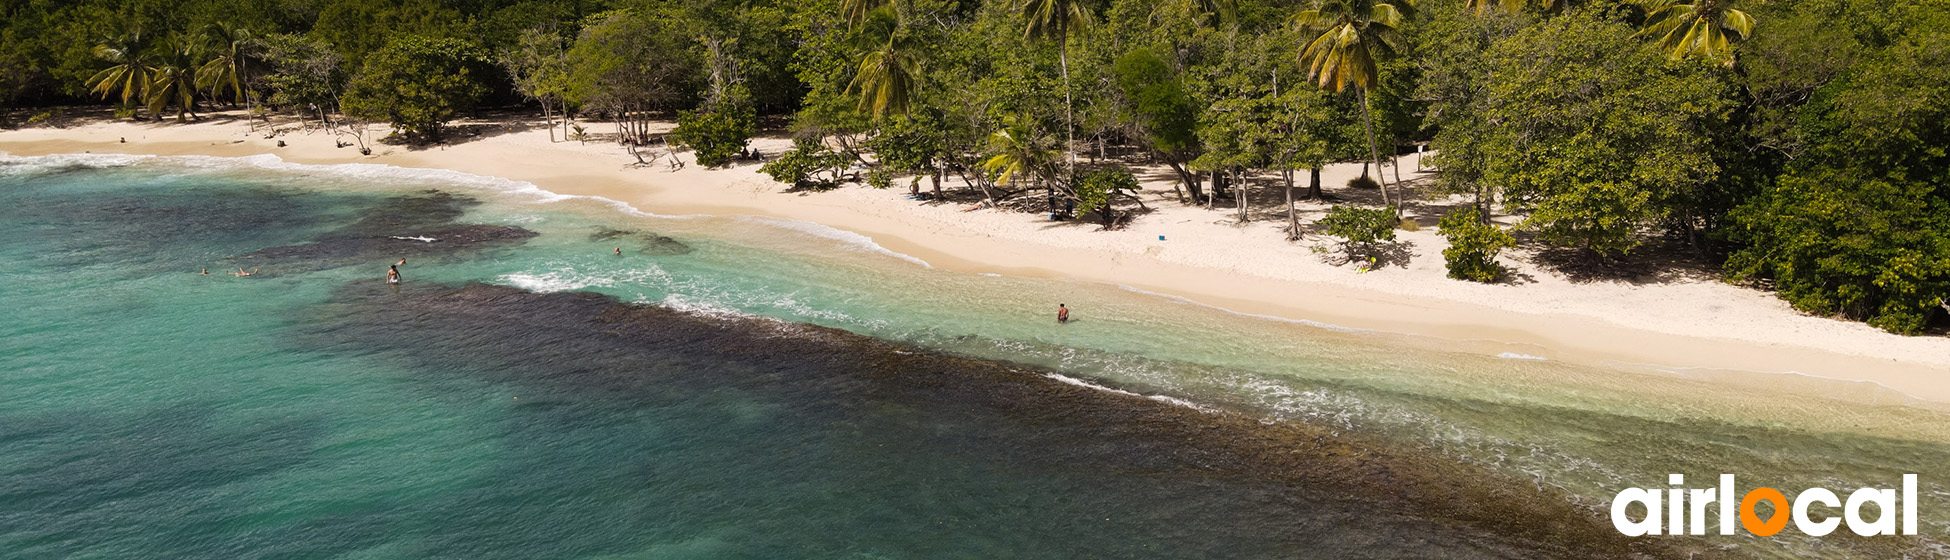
(1206, 256)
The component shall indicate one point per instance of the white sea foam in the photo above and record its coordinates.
(1088, 385)
(847, 239)
(1175, 401)
(1516, 356)
(566, 277)
(692, 306)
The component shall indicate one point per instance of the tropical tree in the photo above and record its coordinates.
(228, 71)
(131, 71)
(174, 81)
(1349, 35)
(418, 84)
(539, 68)
(1057, 20)
(1015, 151)
(1703, 28)
(888, 76)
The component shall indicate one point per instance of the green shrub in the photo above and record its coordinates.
(1097, 189)
(802, 165)
(880, 178)
(1368, 233)
(419, 83)
(1362, 182)
(1473, 246)
(718, 136)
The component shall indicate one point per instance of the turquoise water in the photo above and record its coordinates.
(700, 409)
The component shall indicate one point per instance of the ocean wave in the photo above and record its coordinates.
(847, 239)
(567, 278)
(1516, 356)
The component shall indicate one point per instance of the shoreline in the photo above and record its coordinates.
(1679, 327)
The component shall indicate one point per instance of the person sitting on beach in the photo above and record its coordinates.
(1062, 313)
(392, 274)
(240, 272)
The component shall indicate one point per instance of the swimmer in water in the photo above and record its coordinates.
(619, 251)
(402, 262)
(1062, 313)
(206, 272)
(240, 272)
(392, 274)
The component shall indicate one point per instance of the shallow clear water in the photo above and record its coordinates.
(313, 411)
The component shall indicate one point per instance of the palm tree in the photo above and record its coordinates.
(1352, 34)
(889, 73)
(856, 10)
(229, 70)
(1016, 153)
(175, 79)
(131, 72)
(1057, 19)
(1706, 28)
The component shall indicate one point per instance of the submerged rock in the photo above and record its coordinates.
(408, 227)
(653, 244)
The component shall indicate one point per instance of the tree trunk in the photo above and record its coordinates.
(1069, 116)
(1313, 185)
(1239, 195)
(1367, 121)
(1189, 177)
(1292, 217)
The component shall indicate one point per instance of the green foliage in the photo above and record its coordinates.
(803, 165)
(627, 61)
(418, 84)
(1860, 225)
(1366, 233)
(910, 145)
(1592, 132)
(1097, 190)
(1360, 225)
(1473, 246)
(718, 136)
(1158, 101)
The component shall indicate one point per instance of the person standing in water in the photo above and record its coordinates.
(1062, 313)
(392, 274)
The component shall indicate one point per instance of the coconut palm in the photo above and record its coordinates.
(1016, 152)
(228, 71)
(1057, 20)
(889, 73)
(1351, 34)
(856, 11)
(1704, 28)
(131, 72)
(174, 82)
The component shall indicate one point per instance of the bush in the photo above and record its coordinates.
(1473, 246)
(418, 84)
(1362, 182)
(1369, 233)
(801, 166)
(718, 136)
(1097, 189)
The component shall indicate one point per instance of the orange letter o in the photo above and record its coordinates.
(1752, 522)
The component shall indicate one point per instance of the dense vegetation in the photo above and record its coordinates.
(1799, 143)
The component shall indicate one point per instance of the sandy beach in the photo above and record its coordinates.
(1683, 325)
